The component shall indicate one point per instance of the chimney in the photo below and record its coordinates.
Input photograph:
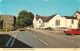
(35, 15)
(76, 10)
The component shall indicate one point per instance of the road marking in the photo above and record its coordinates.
(69, 39)
(62, 38)
(65, 39)
(74, 42)
(9, 40)
(78, 43)
(29, 32)
(32, 34)
(57, 36)
(35, 36)
(13, 40)
(43, 41)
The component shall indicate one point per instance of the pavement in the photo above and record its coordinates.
(9, 32)
(48, 31)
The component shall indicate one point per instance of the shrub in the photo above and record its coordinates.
(49, 28)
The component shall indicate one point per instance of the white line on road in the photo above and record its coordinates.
(29, 32)
(73, 41)
(9, 40)
(57, 36)
(13, 40)
(62, 38)
(78, 43)
(32, 34)
(43, 41)
(69, 39)
(65, 39)
(35, 36)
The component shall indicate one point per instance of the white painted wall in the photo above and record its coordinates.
(78, 15)
(52, 22)
(35, 23)
(46, 24)
(70, 25)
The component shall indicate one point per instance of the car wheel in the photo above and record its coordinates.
(72, 33)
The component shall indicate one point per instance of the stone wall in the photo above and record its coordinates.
(8, 21)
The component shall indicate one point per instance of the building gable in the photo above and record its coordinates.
(57, 17)
(77, 14)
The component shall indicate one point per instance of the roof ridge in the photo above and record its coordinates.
(45, 18)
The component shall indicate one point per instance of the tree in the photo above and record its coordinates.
(25, 18)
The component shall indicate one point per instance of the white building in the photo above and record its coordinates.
(56, 21)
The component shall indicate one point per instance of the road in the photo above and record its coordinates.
(40, 40)
(33, 39)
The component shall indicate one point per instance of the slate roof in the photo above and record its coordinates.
(70, 17)
(44, 18)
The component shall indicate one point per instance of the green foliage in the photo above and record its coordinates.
(49, 28)
(25, 18)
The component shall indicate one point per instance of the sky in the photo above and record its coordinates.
(40, 7)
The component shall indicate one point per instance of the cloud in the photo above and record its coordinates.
(0, 0)
(45, 0)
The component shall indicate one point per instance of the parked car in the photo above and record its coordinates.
(73, 31)
(22, 29)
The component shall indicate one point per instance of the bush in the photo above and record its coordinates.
(49, 28)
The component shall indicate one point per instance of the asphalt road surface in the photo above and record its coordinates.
(32, 39)
(40, 40)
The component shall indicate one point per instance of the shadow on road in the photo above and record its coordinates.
(4, 38)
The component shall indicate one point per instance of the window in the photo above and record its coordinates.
(72, 21)
(39, 21)
(57, 22)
